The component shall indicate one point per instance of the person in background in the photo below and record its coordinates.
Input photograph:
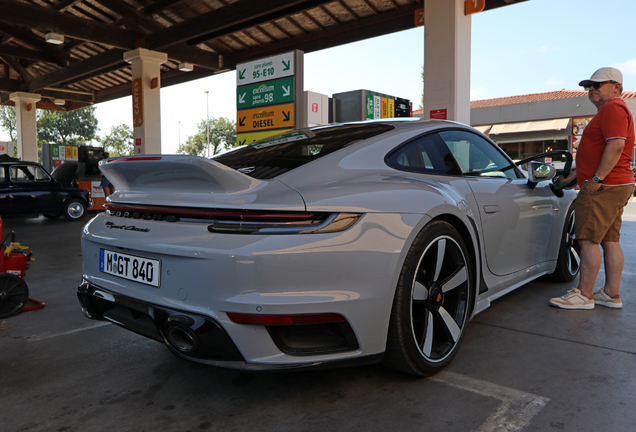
(106, 185)
(604, 173)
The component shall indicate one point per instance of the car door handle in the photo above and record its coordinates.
(538, 207)
(491, 209)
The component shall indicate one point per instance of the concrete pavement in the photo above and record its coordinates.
(523, 365)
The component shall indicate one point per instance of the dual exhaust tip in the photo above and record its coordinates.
(181, 337)
(177, 334)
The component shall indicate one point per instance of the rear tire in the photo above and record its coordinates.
(432, 302)
(14, 294)
(569, 259)
(74, 210)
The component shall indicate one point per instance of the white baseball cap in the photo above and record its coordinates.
(602, 75)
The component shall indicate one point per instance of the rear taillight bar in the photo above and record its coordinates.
(210, 213)
(241, 221)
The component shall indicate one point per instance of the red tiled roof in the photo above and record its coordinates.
(535, 97)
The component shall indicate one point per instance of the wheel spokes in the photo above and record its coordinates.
(427, 348)
(575, 260)
(450, 324)
(441, 251)
(455, 280)
(420, 292)
(449, 327)
(10, 287)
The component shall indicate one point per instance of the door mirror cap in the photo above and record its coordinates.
(539, 171)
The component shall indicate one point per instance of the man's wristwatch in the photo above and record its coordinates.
(596, 179)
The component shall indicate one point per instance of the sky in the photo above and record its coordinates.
(531, 47)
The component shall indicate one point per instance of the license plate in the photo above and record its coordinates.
(134, 268)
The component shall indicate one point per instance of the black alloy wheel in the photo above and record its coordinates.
(432, 303)
(569, 259)
(14, 294)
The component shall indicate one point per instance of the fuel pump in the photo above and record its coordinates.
(82, 172)
(88, 174)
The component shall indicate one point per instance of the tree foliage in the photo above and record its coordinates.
(119, 142)
(222, 137)
(7, 121)
(7, 124)
(78, 127)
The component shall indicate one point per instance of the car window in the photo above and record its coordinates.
(477, 156)
(2, 175)
(274, 156)
(424, 154)
(21, 173)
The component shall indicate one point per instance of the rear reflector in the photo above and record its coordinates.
(285, 319)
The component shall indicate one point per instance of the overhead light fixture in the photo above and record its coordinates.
(59, 102)
(186, 67)
(54, 38)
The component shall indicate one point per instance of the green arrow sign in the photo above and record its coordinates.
(265, 69)
(268, 93)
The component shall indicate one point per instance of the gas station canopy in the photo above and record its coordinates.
(71, 52)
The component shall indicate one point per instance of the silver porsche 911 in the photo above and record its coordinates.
(346, 244)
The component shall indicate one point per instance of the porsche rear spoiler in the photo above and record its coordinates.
(192, 181)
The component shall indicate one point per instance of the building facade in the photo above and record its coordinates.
(531, 124)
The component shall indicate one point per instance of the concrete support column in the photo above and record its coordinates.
(146, 86)
(26, 125)
(446, 60)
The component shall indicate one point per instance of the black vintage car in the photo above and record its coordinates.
(27, 188)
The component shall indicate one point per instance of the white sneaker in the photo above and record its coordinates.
(573, 299)
(605, 300)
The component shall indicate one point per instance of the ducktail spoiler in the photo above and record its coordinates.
(192, 181)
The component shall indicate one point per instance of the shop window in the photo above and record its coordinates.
(512, 150)
(525, 149)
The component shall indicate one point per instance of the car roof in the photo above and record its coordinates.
(20, 163)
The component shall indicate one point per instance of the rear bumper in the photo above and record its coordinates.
(190, 336)
(208, 341)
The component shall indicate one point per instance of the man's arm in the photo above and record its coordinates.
(611, 155)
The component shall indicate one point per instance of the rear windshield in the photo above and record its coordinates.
(274, 156)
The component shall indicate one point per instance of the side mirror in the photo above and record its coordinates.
(538, 171)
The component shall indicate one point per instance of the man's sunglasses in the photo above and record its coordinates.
(597, 85)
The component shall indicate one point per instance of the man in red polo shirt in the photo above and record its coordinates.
(603, 171)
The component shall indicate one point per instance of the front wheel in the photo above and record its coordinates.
(432, 303)
(569, 259)
(74, 210)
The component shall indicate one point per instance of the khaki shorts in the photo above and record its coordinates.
(598, 216)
